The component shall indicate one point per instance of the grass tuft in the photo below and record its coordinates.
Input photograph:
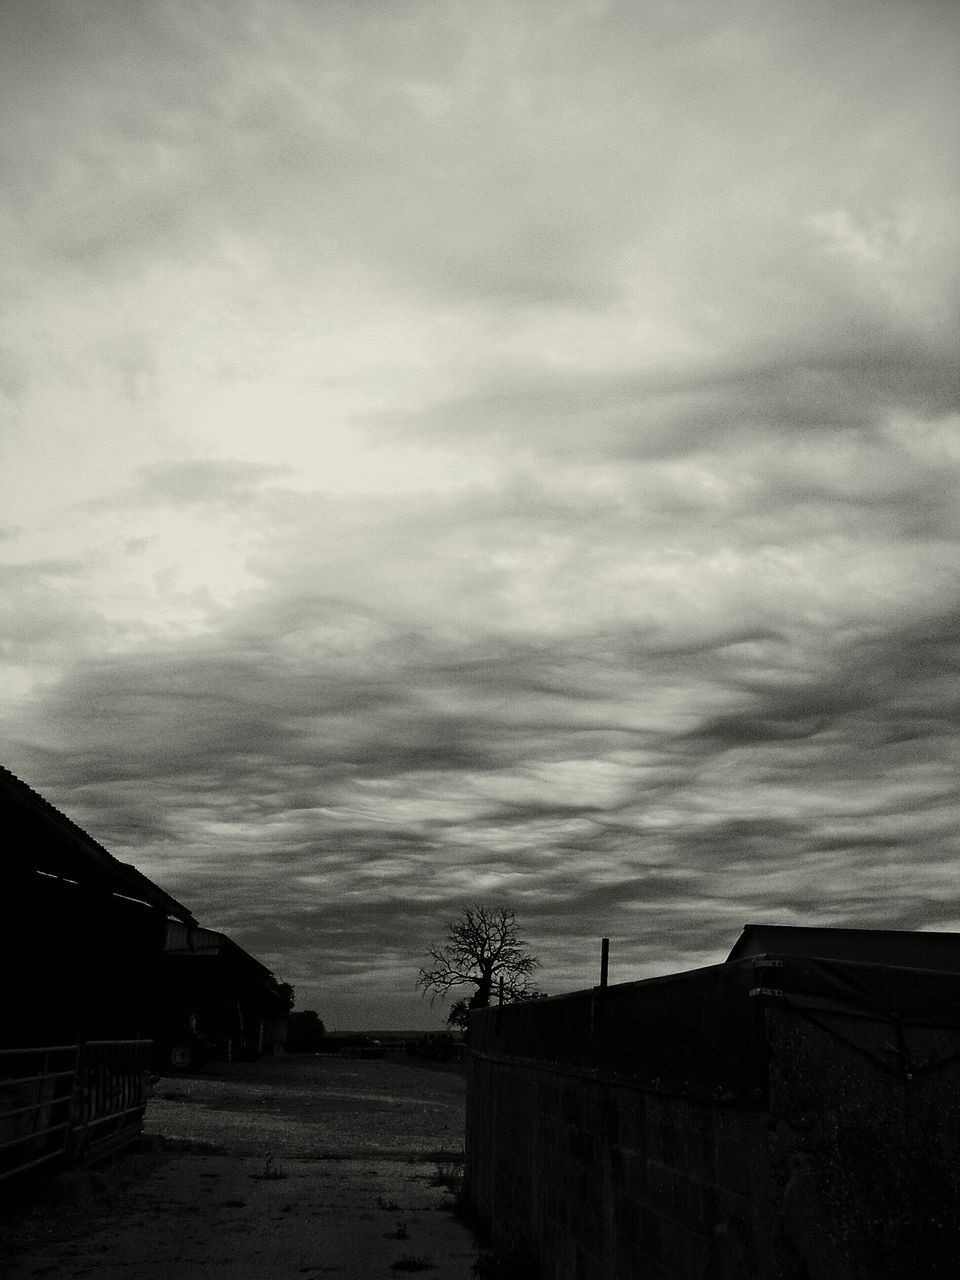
(450, 1171)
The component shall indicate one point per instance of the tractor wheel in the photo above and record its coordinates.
(181, 1056)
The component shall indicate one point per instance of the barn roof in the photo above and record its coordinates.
(51, 844)
(900, 947)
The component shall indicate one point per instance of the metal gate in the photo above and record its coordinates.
(67, 1104)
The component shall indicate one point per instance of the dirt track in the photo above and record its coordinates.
(293, 1167)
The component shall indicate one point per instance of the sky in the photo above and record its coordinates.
(503, 452)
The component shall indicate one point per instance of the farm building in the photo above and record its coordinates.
(95, 989)
(898, 947)
(215, 999)
(792, 1112)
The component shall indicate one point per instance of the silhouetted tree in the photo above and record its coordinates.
(482, 947)
(305, 1031)
(459, 1015)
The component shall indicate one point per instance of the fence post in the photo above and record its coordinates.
(596, 994)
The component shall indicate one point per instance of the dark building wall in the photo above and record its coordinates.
(869, 1160)
(78, 964)
(597, 1180)
(80, 947)
(209, 984)
(845, 1166)
(89, 983)
(82, 934)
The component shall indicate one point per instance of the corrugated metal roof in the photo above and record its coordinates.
(900, 947)
(71, 853)
(236, 968)
(191, 940)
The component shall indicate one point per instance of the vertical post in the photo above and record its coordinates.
(596, 994)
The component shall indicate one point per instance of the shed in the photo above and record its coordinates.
(80, 948)
(93, 956)
(215, 998)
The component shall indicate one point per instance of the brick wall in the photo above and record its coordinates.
(838, 1167)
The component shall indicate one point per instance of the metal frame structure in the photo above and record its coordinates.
(70, 1103)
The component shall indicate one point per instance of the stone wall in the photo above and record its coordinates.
(844, 1165)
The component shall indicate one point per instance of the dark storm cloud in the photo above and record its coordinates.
(245, 772)
(347, 763)
(504, 453)
(790, 716)
(528, 811)
(657, 415)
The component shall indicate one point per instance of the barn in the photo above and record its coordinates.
(96, 985)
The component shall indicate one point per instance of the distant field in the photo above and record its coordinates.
(393, 1035)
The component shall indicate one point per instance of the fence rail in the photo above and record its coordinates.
(65, 1104)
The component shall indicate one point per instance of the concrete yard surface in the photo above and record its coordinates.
(287, 1168)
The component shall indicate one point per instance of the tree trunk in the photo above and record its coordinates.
(481, 997)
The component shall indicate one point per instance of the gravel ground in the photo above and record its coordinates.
(291, 1167)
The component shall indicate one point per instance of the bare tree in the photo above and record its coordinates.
(482, 947)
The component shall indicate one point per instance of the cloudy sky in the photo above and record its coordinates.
(500, 451)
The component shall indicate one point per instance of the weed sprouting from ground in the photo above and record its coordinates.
(400, 1233)
(412, 1263)
(450, 1170)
